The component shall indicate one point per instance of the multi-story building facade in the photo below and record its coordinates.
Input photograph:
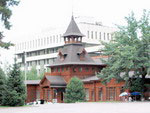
(42, 50)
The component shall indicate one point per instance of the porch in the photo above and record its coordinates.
(52, 89)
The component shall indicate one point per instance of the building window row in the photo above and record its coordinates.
(81, 69)
(39, 42)
(40, 62)
(60, 69)
(41, 52)
(99, 35)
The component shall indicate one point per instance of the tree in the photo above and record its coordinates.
(15, 93)
(75, 91)
(136, 85)
(5, 14)
(128, 51)
(33, 74)
(2, 85)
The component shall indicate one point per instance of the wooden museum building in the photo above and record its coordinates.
(73, 60)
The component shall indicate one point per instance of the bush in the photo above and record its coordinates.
(75, 91)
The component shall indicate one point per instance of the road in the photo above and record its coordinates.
(99, 107)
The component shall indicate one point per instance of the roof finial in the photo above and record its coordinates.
(72, 8)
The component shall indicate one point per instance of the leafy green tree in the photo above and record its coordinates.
(136, 85)
(42, 72)
(5, 14)
(32, 74)
(15, 93)
(2, 85)
(129, 50)
(75, 91)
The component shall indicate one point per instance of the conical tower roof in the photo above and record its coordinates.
(73, 29)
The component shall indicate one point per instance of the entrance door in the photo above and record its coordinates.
(54, 96)
(62, 96)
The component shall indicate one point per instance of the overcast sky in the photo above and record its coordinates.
(31, 16)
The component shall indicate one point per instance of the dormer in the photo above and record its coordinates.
(62, 55)
(81, 54)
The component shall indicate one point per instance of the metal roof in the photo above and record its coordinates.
(72, 56)
(32, 82)
(89, 79)
(73, 29)
(56, 80)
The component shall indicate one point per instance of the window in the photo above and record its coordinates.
(66, 68)
(111, 36)
(55, 94)
(60, 37)
(39, 62)
(48, 95)
(50, 39)
(27, 63)
(35, 62)
(93, 68)
(44, 61)
(47, 40)
(22, 45)
(86, 69)
(32, 95)
(74, 69)
(92, 34)
(93, 95)
(30, 63)
(37, 94)
(58, 69)
(30, 44)
(100, 35)
(44, 41)
(47, 51)
(95, 35)
(38, 52)
(111, 93)
(104, 36)
(107, 36)
(54, 70)
(47, 61)
(54, 39)
(38, 42)
(87, 94)
(88, 34)
(62, 69)
(80, 69)
(33, 43)
(100, 94)
(41, 42)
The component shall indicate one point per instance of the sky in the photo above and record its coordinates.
(32, 16)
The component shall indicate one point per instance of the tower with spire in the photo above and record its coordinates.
(73, 54)
(72, 60)
(73, 34)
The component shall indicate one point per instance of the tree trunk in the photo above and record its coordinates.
(144, 73)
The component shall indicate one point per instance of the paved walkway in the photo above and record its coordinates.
(102, 107)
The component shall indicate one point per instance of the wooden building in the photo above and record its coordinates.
(73, 60)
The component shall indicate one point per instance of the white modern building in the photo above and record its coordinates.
(42, 50)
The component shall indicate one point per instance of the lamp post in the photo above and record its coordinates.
(24, 62)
